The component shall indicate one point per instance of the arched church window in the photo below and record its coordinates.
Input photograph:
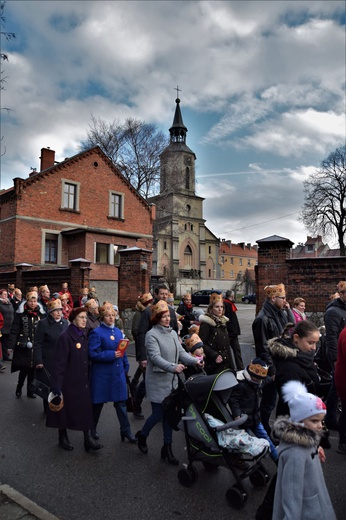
(188, 256)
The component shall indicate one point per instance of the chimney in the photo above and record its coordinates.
(47, 158)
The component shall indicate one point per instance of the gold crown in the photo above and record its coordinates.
(271, 291)
(30, 295)
(193, 342)
(215, 298)
(258, 370)
(146, 298)
(160, 307)
(54, 305)
(341, 286)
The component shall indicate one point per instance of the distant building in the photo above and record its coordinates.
(237, 263)
(314, 247)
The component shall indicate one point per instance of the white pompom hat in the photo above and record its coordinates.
(301, 404)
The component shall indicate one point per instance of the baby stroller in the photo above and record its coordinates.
(205, 396)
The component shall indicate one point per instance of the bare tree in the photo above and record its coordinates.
(3, 57)
(324, 209)
(134, 147)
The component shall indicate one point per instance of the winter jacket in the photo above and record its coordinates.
(245, 399)
(188, 319)
(269, 323)
(300, 492)
(108, 373)
(7, 311)
(340, 367)
(335, 321)
(292, 365)
(23, 333)
(233, 323)
(213, 332)
(46, 338)
(70, 375)
(93, 321)
(164, 352)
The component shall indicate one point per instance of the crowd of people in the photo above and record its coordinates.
(73, 347)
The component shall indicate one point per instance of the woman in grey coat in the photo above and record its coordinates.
(165, 358)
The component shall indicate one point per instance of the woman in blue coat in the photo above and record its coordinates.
(108, 371)
(70, 384)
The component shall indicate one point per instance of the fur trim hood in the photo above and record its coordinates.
(281, 348)
(295, 433)
(210, 320)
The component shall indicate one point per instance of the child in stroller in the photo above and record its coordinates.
(213, 438)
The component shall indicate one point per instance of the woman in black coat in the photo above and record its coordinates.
(47, 334)
(185, 309)
(293, 356)
(70, 384)
(213, 332)
(22, 337)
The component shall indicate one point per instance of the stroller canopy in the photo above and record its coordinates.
(200, 387)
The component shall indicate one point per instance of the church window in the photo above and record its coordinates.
(188, 256)
(191, 227)
(188, 207)
(187, 178)
(209, 249)
(209, 273)
(165, 245)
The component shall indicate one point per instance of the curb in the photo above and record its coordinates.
(24, 502)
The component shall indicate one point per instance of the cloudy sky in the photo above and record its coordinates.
(263, 93)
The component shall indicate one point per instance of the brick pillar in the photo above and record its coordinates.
(272, 267)
(80, 276)
(134, 275)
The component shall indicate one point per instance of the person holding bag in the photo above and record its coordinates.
(165, 358)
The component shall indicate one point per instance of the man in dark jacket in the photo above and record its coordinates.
(335, 321)
(269, 323)
(233, 328)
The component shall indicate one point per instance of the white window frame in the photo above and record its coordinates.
(112, 205)
(46, 232)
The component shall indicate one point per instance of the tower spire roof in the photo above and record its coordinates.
(178, 130)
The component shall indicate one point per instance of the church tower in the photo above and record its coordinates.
(181, 240)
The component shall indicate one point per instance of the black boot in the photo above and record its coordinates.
(142, 442)
(64, 442)
(137, 410)
(167, 453)
(90, 443)
(19, 391)
(129, 436)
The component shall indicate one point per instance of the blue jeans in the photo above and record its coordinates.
(260, 433)
(156, 417)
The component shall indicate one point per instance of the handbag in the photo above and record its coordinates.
(172, 406)
(130, 396)
(39, 388)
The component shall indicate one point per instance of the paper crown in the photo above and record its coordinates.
(193, 342)
(187, 296)
(54, 305)
(170, 297)
(258, 368)
(271, 291)
(341, 286)
(215, 298)
(63, 296)
(31, 295)
(193, 329)
(159, 308)
(145, 299)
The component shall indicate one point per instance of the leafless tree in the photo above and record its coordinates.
(324, 209)
(134, 147)
(3, 57)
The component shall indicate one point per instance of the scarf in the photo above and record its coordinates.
(301, 314)
(234, 308)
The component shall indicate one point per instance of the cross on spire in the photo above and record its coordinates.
(178, 90)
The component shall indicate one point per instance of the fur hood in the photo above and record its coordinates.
(281, 348)
(210, 320)
(295, 433)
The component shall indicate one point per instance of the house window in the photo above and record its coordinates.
(51, 249)
(101, 253)
(232, 260)
(232, 274)
(222, 273)
(310, 248)
(70, 195)
(240, 261)
(116, 205)
(249, 262)
(116, 253)
(188, 256)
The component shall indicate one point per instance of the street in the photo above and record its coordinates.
(119, 482)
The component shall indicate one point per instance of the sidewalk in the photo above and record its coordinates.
(14, 506)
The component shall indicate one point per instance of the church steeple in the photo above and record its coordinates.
(178, 130)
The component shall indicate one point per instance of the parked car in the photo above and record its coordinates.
(202, 297)
(249, 298)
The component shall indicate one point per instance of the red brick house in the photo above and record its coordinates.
(80, 208)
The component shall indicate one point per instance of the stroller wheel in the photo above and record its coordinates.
(236, 497)
(259, 478)
(187, 476)
(210, 467)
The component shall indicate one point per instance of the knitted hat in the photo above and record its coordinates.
(271, 291)
(215, 297)
(74, 313)
(54, 305)
(341, 286)
(258, 368)
(193, 342)
(145, 299)
(159, 308)
(301, 404)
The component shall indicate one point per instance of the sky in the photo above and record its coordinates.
(262, 93)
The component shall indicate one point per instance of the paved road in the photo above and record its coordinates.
(119, 482)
